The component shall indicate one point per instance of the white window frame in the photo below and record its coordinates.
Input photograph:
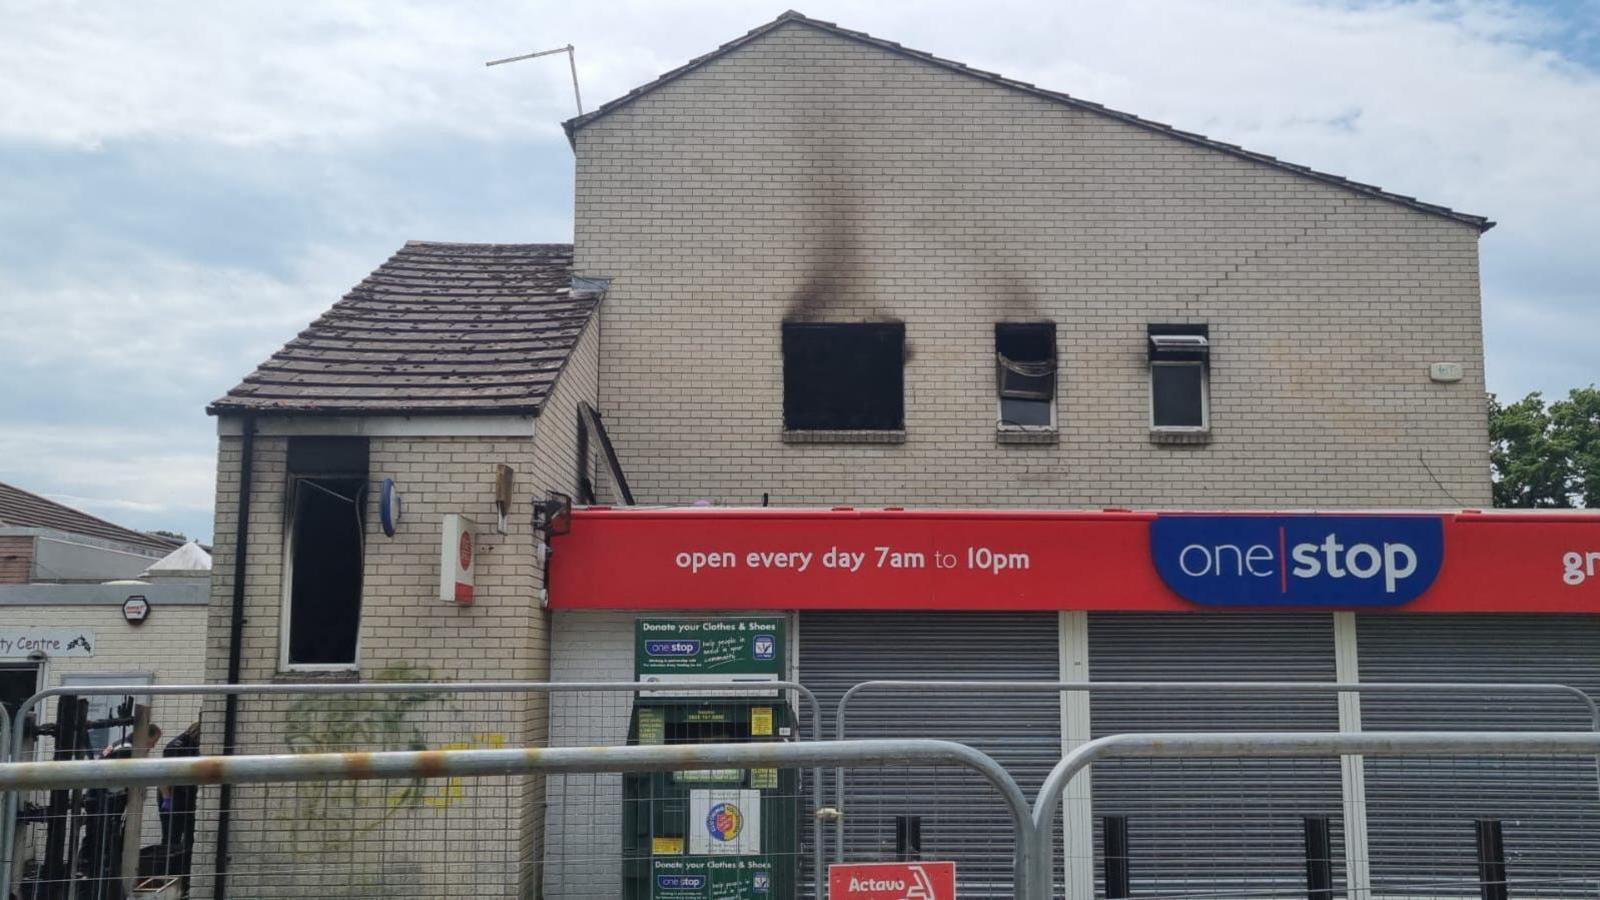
(1001, 424)
(286, 600)
(1205, 396)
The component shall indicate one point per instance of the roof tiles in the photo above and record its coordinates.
(24, 509)
(439, 328)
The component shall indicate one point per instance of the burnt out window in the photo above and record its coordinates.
(1180, 375)
(844, 376)
(327, 501)
(1025, 373)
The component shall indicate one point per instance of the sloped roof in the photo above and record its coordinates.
(24, 509)
(572, 125)
(191, 557)
(438, 329)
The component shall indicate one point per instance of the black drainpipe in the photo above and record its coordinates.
(230, 711)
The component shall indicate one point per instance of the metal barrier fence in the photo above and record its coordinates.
(1033, 827)
(353, 823)
(427, 767)
(1316, 785)
(1490, 878)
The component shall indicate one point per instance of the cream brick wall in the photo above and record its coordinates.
(484, 841)
(807, 175)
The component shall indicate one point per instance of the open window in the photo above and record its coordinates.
(326, 546)
(1180, 375)
(841, 376)
(1025, 374)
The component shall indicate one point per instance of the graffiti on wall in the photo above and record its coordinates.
(338, 813)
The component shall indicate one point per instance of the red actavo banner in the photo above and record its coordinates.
(711, 558)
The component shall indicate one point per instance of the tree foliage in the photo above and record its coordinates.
(1546, 456)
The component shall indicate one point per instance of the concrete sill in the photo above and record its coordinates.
(1033, 437)
(845, 437)
(1174, 438)
(296, 676)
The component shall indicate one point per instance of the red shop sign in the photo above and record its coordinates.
(698, 558)
(893, 881)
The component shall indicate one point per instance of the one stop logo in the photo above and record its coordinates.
(1335, 561)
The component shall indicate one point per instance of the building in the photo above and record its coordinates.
(45, 542)
(64, 578)
(815, 268)
(86, 602)
(448, 365)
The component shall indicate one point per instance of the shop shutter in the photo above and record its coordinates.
(962, 818)
(1421, 812)
(1222, 827)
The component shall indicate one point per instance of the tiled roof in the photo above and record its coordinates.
(439, 328)
(22, 509)
(572, 125)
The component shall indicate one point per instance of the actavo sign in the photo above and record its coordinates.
(1330, 561)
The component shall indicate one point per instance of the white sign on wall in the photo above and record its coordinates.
(458, 557)
(726, 821)
(24, 641)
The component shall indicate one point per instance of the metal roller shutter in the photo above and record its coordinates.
(962, 817)
(1230, 828)
(1421, 812)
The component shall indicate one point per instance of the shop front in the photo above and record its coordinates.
(1118, 596)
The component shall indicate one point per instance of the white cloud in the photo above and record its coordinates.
(156, 476)
(164, 321)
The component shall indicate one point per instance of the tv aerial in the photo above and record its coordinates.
(572, 62)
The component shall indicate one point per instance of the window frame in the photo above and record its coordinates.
(1205, 396)
(1000, 422)
(286, 598)
(96, 679)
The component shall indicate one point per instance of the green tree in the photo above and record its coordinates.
(1546, 457)
(1576, 423)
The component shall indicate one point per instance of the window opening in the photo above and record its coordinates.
(1180, 370)
(327, 548)
(1025, 373)
(844, 376)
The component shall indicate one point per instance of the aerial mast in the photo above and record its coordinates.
(572, 62)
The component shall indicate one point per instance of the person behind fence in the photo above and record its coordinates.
(177, 805)
(103, 829)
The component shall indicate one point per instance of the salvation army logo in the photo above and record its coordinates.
(724, 822)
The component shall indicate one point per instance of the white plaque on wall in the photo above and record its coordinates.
(25, 641)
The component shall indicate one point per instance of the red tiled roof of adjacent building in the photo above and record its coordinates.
(24, 509)
(437, 329)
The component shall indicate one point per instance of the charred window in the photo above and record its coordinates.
(327, 483)
(844, 376)
(1180, 374)
(1025, 373)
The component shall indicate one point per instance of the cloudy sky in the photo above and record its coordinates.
(184, 185)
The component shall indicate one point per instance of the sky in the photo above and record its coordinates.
(183, 186)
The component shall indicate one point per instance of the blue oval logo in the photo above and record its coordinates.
(1315, 561)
